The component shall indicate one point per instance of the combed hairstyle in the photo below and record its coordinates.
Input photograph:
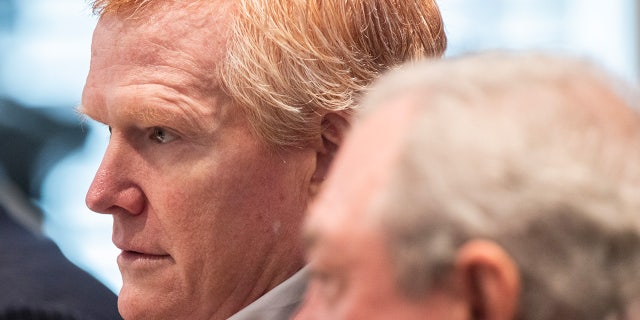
(290, 62)
(539, 153)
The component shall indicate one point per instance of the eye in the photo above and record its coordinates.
(162, 135)
(329, 287)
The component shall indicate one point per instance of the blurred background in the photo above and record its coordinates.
(50, 154)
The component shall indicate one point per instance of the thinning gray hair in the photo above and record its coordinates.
(539, 153)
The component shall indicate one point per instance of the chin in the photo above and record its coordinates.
(140, 300)
(150, 295)
(131, 306)
(136, 304)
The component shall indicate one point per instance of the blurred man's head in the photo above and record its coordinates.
(496, 186)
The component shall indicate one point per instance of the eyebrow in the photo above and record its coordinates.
(83, 113)
(158, 115)
(154, 115)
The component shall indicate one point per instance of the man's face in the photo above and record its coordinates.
(352, 273)
(206, 216)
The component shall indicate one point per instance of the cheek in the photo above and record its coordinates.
(372, 294)
(313, 307)
(357, 307)
(318, 306)
(323, 302)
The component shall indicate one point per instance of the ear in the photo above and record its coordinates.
(490, 280)
(333, 129)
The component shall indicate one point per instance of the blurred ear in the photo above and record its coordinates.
(490, 280)
(334, 127)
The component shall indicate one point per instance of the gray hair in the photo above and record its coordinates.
(539, 153)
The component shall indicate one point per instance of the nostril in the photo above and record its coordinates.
(131, 199)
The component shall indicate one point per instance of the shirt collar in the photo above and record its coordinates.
(279, 303)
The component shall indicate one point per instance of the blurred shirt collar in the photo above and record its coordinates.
(279, 303)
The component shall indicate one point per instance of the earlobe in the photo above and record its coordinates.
(490, 279)
(334, 127)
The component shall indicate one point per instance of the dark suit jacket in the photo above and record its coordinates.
(38, 282)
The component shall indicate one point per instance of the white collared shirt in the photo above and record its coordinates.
(279, 303)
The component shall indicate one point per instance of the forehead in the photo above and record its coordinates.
(185, 35)
(361, 172)
(175, 46)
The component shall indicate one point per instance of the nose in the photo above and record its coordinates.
(114, 189)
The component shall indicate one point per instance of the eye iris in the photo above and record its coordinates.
(159, 134)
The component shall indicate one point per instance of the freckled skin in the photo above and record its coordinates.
(218, 209)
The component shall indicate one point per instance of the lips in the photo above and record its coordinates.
(141, 257)
(135, 255)
(135, 259)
